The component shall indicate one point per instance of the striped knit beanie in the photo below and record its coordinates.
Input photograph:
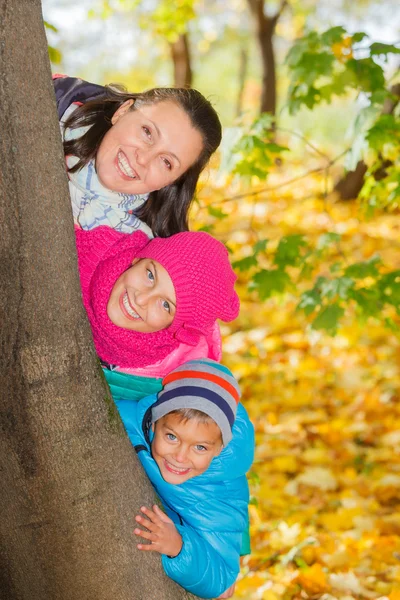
(203, 280)
(204, 385)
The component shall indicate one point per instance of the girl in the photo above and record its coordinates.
(134, 160)
(152, 305)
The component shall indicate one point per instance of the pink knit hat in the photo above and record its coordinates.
(203, 279)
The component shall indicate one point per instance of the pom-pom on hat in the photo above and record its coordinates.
(204, 385)
(203, 279)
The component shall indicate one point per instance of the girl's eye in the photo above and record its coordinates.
(171, 437)
(150, 275)
(166, 306)
(147, 131)
(167, 163)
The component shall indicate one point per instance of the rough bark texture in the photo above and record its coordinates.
(71, 483)
(181, 58)
(265, 29)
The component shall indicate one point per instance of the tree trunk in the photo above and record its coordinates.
(265, 29)
(349, 186)
(181, 58)
(71, 483)
(268, 91)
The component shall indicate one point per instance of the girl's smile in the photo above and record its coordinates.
(143, 298)
(127, 308)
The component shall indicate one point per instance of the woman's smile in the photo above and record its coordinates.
(124, 167)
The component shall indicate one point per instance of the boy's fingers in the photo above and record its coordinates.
(151, 534)
(151, 515)
(164, 518)
(147, 547)
(146, 535)
(146, 522)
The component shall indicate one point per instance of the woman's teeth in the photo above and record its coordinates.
(132, 313)
(125, 167)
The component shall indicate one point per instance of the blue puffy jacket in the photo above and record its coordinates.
(210, 511)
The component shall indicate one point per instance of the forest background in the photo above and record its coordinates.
(305, 194)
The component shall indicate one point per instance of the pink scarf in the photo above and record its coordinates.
(103, 255)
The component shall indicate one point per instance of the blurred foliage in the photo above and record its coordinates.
(165, 18)
(323, 66)
(325, 486)
(54, 54)
(335, 63)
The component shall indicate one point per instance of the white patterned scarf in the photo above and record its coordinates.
(92, 203)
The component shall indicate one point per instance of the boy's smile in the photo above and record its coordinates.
(184, 449)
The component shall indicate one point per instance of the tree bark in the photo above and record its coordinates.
(265, 29)
(180, 53)
(71, 483)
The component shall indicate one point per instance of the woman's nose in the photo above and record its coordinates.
(144, 156)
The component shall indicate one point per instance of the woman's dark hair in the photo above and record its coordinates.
(166, 210)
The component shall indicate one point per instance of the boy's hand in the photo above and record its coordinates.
(163, 535)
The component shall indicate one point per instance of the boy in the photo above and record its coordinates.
(195, 442)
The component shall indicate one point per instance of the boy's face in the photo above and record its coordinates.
(184, 449)
(143, 298)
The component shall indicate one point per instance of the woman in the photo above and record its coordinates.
(134, 159)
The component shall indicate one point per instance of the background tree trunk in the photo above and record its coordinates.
(349, 186)
(71, 483)
(265, 29)
(181, 58)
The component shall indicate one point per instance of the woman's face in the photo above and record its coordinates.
(143, 298)
(147, 148)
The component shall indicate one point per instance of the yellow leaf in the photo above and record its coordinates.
(269, 595)
(313, 580)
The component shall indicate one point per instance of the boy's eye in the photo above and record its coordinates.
(150, 275)
(166, 306)
(171, 437)
(201, 448)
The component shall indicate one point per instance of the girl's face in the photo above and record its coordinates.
(147, 148)
(143, 298)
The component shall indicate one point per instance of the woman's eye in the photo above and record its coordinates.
(147, 131)
(150, 275)
(171, 437)
(166, 306)
(167, 163)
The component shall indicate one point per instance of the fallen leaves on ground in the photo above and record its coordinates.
(325, 511)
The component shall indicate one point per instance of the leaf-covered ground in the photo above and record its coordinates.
(325, 513)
